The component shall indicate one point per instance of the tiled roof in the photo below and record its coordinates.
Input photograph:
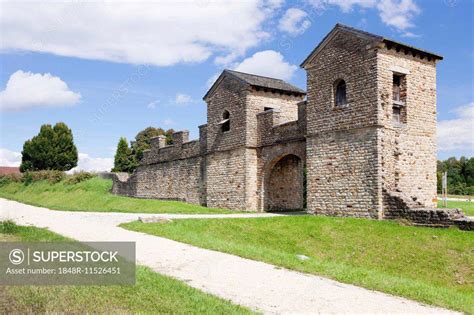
(256, 81)
(265, 82)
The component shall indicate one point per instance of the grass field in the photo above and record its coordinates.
(466, 206)
(92, 195)
(153, 293)
(425, 264)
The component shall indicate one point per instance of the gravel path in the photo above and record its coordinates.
(259, 286)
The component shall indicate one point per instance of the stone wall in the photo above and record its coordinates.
(226, 179)
(342, 173)
(408, 149)
(172, 180)
(169, 172)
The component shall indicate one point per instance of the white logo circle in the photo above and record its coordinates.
(16, 256)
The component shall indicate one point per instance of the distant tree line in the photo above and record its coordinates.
(127, 157)
(460, 175)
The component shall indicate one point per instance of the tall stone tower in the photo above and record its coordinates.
(371, 125)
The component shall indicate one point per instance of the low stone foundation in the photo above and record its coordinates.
(400, 207)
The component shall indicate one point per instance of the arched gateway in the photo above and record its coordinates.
(284, 184)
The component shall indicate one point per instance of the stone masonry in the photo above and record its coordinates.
(366, 135)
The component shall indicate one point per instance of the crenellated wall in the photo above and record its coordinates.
(169, 172)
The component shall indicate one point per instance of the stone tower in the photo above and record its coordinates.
(371, 125)
(233, 103)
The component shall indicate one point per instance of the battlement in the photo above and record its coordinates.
(272, 128)
(181, 148)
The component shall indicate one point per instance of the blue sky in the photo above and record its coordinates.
(114, 70)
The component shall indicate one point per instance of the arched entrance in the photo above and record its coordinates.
(284, 184)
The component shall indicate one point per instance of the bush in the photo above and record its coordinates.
(10, 178)
(8, 227)
(51, 176)
(79, 177)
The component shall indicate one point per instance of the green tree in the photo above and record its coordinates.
(124, 160)
(134, 153)
(143, 142)
(52, 149)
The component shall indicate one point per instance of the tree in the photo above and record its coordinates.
(135, 152)
(143, 140)
(124, 160)
(52, 149)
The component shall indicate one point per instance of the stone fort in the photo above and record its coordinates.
(361, 141)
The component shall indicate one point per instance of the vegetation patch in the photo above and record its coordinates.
(91, 195)
(153, 293)
(430, 265)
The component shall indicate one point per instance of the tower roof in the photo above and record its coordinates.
(257, 81)
(389, 43)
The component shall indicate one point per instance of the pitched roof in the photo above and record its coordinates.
(374, 37)
(258, 82)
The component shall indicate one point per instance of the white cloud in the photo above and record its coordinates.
(268, 63)
(91, 164)
(152, 32)
(457, 133)
(9, 158)
(182, 99)
(398, 13)
(294, 22)
(152, 105)
(411, 35)
(345, 5)
(395, 13)
(25, 90)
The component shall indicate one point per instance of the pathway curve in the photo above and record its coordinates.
(259, 286)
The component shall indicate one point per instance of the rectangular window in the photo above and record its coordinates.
(396, 87)
(396, 114)
(399, 89)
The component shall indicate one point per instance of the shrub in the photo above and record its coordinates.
(10, 178)
(51, 176)
(79, 177)
(8, 227)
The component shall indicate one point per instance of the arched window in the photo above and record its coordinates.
(340, 98)
(225, 123)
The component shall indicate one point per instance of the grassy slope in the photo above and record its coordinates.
(466, 206)
(92, 195)
(153, 293)
(424, 264)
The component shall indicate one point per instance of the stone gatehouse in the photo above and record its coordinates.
(362, 138)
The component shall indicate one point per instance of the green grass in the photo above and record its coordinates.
(92, 195)
(153, 292)
(430, 265)
(466, 206)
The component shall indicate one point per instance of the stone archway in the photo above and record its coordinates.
(284, 184)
